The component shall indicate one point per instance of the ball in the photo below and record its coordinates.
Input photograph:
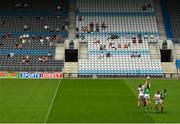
(148, 77)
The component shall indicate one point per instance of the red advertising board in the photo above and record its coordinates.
(55, 75)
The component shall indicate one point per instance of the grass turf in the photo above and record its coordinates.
(83, 101)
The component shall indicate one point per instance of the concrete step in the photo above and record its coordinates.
(169, 67)
(59, 52)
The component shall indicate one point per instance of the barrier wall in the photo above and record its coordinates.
(9, 74)
(31, 75)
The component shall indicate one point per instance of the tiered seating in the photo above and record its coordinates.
(134, 27)
(109, 6)
(33, 7)
(35, 23)
(122, 23)
(15, 64)
(174, 14)
(29, 34)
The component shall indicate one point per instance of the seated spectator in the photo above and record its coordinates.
(119, 45)
(82, 36)
(23, 61)
(96, 40)
(40, 59)
(46, 27)
(104, 47)
(77, 35)
(26, 27)
(91, 25)
(139, 36)
(97, 27)
(45, 59)
(140, 41)
(80, 18)
(135, 54)
(2, 23)
(67, 22)
(66, 27)
(133, 37)
(49, 54)
(110, 44)
(113, 37)
(108, 54)
(6, 36)
(101, 47)
(125, 46)
(129, 44)
(41, 41)
(11, 54)
(77, 29)
(58, 7)
(103, 26)
(113, 46)
(134, 40)
(149, 5)
(144, 8)
(85, 29)
(145, 36)
(101, 55)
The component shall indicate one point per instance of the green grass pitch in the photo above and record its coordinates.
(85, 100)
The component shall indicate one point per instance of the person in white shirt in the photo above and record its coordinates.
(140, 95)
(157, 98)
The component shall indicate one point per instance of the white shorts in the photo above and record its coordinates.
(157, 102)
(146, 96)
(141, 96)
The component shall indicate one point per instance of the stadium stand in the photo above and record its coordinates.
(117, 37)
(29, 34)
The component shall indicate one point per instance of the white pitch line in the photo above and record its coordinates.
(50, 107)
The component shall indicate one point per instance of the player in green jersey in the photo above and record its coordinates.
(163, 95)
(147, 99)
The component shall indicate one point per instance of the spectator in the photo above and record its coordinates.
(2, 23)
(45, 59)
(103, 26)
(110, 44)
(101, 55)
(149, 5)
(140, 41)
(66, 27)
(67, 22)
(11, 54)
(41, 41)
(97, 27)
(96, 40)
(80, 18)
(144, 8)
(119, 45)
(49, 54)
(58, 7)
(125, 46)
(82, 37)
(113, 46)
(46, 27)
(108, 54)
(101, 47)
(40, 59)
(91, 25)
(77, 35)
(26, 27)
(113, 37)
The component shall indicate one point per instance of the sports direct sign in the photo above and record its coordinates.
(41, 75)
(55, 75)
